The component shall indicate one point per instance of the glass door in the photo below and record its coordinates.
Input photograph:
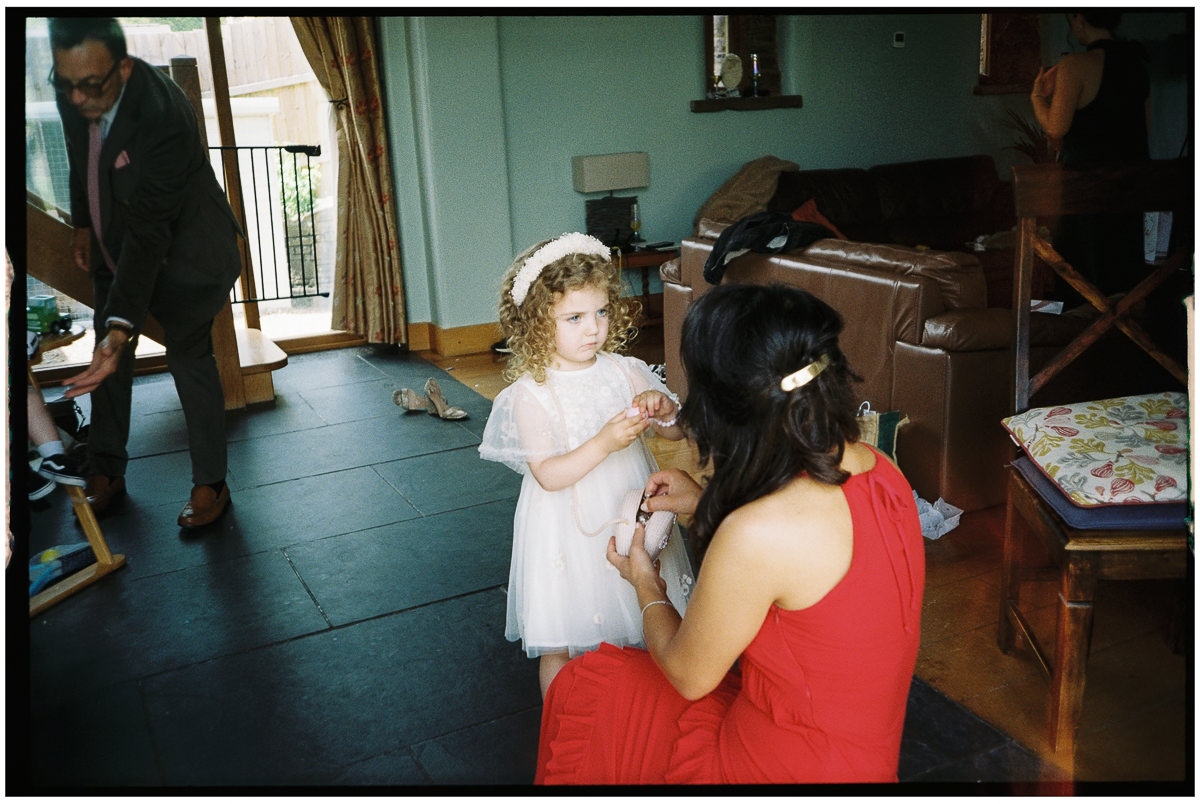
(286, 156)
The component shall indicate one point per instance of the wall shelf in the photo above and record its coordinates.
(747, 104)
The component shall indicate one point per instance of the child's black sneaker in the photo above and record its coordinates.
(62, 469)
(39, 486)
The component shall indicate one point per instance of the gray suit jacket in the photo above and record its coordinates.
(164, 217)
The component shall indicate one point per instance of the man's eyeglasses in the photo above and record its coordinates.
(89, 87)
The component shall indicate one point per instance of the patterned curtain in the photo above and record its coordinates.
(368, 291)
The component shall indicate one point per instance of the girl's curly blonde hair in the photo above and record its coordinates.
(530, 327)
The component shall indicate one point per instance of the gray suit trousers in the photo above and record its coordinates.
(186, 313)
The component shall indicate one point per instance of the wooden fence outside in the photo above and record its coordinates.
(263, 59)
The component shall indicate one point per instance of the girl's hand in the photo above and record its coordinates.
(655, 405)
(620, 432)
(637, 568)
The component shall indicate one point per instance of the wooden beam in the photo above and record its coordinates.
(233, 179)
(49, 238)
(1049, 189)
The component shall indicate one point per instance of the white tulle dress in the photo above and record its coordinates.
(563, 595)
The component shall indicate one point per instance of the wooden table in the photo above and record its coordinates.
(56, 340)
(644, 261)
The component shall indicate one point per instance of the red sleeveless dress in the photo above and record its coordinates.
(818, 696)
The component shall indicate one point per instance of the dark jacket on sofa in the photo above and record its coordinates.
(764, 233)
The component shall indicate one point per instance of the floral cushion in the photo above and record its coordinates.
(1131, 449)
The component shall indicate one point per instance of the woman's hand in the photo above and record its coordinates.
(1043, 85)
(637, 568)
(672, 490)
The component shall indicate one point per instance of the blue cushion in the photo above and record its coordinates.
(1129, 516)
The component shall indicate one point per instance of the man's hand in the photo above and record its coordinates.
(81, 249)
(104, 363)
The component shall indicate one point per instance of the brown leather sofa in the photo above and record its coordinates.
(919, 328)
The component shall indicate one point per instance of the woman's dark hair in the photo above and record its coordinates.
(1105, 19)
(69, 32)
(738, 343)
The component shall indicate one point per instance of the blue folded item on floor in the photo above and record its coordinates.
(56, 563)
(1130, 516)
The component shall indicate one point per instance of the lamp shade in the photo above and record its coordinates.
(605, 172)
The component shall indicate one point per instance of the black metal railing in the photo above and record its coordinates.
(281, 232)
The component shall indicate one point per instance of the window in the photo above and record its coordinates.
(275, 104)
(753, 38)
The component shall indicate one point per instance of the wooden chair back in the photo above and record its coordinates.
(1051, 190)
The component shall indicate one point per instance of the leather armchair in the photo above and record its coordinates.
(920, 334)
(927, 328)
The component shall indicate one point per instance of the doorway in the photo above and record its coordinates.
(286, 151)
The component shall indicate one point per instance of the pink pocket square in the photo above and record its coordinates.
(121, 161)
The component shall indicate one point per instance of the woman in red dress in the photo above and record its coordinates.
(794, 660)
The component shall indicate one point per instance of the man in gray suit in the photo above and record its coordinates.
(155, 230)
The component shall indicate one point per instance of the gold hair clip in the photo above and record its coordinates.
(805, 375)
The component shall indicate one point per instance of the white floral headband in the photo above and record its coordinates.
(556, 249)
(805, 375)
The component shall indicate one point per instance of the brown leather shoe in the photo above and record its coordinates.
(102, 491)
(204, 507)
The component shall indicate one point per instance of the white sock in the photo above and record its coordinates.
(51, 448)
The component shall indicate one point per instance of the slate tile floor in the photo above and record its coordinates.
(340, 627)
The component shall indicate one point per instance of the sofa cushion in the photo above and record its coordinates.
(709, 229)
(846, 196)
(746, 191)
(809, 213)
(940, 203)
(957, 275)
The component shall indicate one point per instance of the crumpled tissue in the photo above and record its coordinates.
(937, 519)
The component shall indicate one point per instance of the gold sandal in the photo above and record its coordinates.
(408, 399)
(437, 403)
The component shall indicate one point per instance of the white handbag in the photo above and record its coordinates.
(658, 525)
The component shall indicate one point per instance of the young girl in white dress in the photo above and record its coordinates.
(571, 423)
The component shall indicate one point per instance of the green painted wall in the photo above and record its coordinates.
(486, 112)
(448, 144)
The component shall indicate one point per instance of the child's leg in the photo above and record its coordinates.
(548, 668)
(42, 429)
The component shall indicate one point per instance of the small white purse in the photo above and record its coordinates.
(658, 524)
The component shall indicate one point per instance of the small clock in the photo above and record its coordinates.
(731, 71)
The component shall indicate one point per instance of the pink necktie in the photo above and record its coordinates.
(93, 185)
